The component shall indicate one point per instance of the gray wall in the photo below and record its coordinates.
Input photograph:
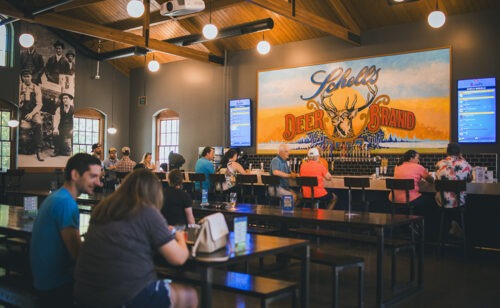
(473, 39)
(195, 91)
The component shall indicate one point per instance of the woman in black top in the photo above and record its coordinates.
(177, 204)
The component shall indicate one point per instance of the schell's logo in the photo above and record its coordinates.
(337, 96)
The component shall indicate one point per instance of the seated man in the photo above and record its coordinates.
(279, 167)
(313, 167)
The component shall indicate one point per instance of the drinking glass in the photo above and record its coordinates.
(232, 199)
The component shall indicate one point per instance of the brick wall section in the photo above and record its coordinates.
(363, 168)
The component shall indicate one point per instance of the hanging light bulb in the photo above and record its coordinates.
(26, 40)
(112, 130)
(263, 47)
(210, 31)
(436, 18)
(135, 8)
(13, 123)
(153, 65)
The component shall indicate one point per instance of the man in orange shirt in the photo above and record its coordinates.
(313, 167)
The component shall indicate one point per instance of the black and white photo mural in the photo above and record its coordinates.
(46, 101)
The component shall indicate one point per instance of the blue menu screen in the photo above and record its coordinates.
(240, 122)
(477, 110)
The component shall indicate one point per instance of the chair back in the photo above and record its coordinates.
(246, 178)
(196, 177)
(356, 182)
(270, 181)
(308, 181)
(120, 175)
(454, 186)
(161, 175)
(216, 179)
(400, 184)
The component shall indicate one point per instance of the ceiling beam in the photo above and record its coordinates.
(75, 4)
(307, 18)
(345, 16)
(91, 29)
(131, 24)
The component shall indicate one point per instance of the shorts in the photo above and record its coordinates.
(280, 192)
(156, 294)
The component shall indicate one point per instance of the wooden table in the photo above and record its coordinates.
(376, 221)
(256, 246)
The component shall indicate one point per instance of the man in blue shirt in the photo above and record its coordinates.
(55, 239)
(204, 165)
(279, 167)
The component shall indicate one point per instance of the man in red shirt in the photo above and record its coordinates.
(313, 167)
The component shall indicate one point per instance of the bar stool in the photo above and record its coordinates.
(271, 182)
(406, 185)
(196, 178)
(310, 182)
(216, 190)
(454, 187)
(358, 182)
(243, 180)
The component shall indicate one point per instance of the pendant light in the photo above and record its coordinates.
(135, 8)
(263, 47)
(13, 123)
(26, 40)
(436, 18)
(112, 130)
(210, 31)
(153, 65)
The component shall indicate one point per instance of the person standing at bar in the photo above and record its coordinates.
(279, 167)
(55, 240)
(125, 164)
(204, 165)
(314, 167)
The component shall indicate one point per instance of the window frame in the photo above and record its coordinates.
(166, 114)
(93, 114)
(9, 43)
(10, 107)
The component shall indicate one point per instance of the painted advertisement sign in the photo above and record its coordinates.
(388, 104)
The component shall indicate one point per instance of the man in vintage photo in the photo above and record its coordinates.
(63, 126)
(30, 104)
(57, 64)
(31, 60)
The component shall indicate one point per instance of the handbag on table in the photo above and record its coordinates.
(212, 234)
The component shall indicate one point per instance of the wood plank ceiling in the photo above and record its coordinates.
(294, 20)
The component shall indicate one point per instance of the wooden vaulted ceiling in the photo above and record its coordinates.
(294, 20)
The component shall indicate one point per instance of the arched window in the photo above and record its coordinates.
(7, 136)
(88, 128)
(5, 44)
(167, 134)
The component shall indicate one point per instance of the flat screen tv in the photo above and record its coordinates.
(240, 122)
(477, 110)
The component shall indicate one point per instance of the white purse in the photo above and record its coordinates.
(212, 235)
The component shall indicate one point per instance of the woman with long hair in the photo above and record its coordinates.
(230, 167)
(115, 267)
(146, 160)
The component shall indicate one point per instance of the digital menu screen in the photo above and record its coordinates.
(240, 122)
(477, 110)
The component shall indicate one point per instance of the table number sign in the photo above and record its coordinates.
(31, 206)
(240, 232)
(287, 202)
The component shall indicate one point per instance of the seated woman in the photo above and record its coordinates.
(410, 168)
(230, 167)
(146, 160)
(177, 204)
(115, 266)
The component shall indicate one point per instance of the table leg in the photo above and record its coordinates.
(304, 286)
(421, 255)
(206, 287)
(380, 267)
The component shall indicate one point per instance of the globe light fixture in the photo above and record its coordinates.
(135, 8)
(210, 31)
(263, 47)
(26, 40)
(13, 123)
(436, 18)
(112, 130)
(153, 65)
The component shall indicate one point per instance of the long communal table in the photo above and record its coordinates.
(374, 221)
(14, 222)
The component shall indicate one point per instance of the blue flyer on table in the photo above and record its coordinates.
(287, 203)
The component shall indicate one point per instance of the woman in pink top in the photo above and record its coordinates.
(410, 168)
